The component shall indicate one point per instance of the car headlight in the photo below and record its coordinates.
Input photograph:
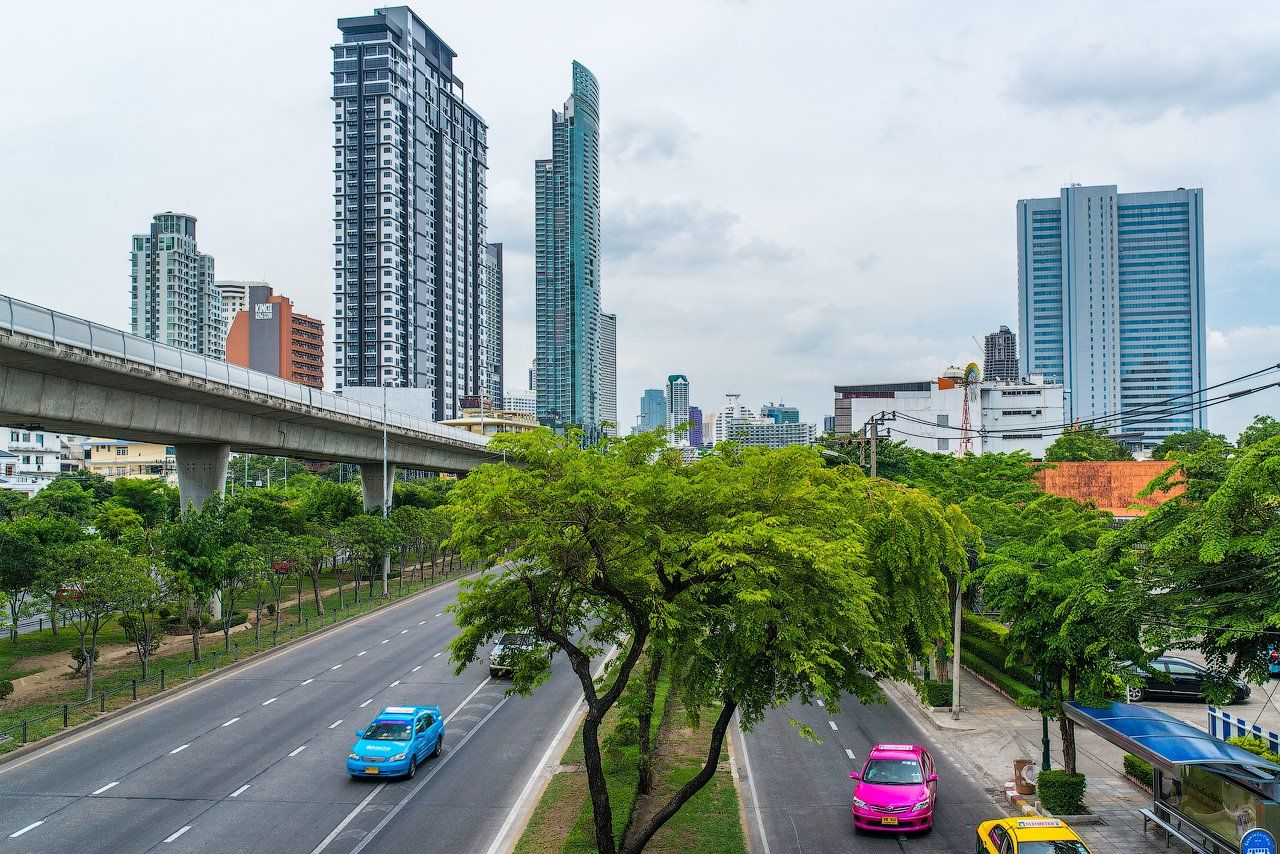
(923, 805)
(397, 757)
(353, 756)
(861, 804)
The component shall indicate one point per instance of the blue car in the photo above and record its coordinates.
(398, 739)
(1273, 662)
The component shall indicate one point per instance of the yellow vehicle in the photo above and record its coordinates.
(1028, 836)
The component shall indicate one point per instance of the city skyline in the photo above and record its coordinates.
(675, 152)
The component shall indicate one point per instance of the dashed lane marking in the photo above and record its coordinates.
(384, 641)
(297, 750)
(269, 702)
(394, 684)
(335, 724)
(31, 826)
(404, 631)
(179, 749)
(230, 722)
(437, 655)
(366, 702)
(335, 667)
(104, 788)
(441, 614)
(420, 622)
(172, 836)
(365, 652)
(306, 682)
(834, 728)
(416, 669)
(240, 791)
(849, 753)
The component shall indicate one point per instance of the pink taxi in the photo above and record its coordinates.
(896, 790)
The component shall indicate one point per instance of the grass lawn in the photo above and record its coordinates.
(35, 644)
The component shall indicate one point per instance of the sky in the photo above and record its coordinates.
(795, 194)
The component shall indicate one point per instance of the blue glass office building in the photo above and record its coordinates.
(567, 262)
(1111, 302)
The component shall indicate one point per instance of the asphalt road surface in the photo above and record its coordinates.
(803, 791)
(255, 760)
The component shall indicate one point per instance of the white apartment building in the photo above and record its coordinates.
(520, 400)
(740, 424)
(29, 459)
(174, 298)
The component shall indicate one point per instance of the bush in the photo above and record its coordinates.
(1256, 746)
(6, 688)
(1138, 769)
(976, 626)
(934, 693)
(164, 613)
(78, 657)
(236, 619)
(1061, 793)
(271, 609)
(995, 655)
(1022, 694)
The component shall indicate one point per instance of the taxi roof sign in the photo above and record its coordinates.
(1039, 822)
(907, 747)
(398, 710)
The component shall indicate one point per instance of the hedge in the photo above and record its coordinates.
(1256, 746)
(1139, 769)
(1061, 793)
(976, 626)
(934, 693)
(238, 618)
(996, 656)
(1023, 695)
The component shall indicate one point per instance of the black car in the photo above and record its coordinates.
(1170, 678)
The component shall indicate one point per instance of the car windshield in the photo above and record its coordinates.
(1061, 846)
(384, 731)
(893, 772)
(515, 640)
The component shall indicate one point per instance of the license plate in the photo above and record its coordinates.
(889, 819)
(373, 769)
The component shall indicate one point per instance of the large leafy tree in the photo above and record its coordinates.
(367, 538)
(1263, 427)
(1085, 443)
(765, 569)
(194, 547)
(150, 498)
(1186, 442)
(98, 574)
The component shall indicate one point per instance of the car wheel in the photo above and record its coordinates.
(1134, 693)
(493, 672)
(413, 768)
(439, 746)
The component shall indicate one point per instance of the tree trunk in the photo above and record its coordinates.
(644, 785)
(277, 612)
(144, 654)
(53, 612)
(315, 589)
(87, 664)
(597, 784)
(193, 616)
(1067, 729)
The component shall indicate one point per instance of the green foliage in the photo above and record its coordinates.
(1020, 693)
(239, 618)
(979, 627)
(90, 482)
(425, 494)
(1263, 427)
(150, 498)
(1085, 443)
(1256, 746)
(1061, 792)
(995, 655)
(935, 694)
(62, 498)
(1187, 442)
(1139, 769)
(6, 688)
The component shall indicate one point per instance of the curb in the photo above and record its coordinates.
(907, 697)
(256, 658)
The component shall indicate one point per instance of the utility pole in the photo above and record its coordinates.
(874, 443)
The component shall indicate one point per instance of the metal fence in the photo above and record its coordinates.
(62, 329)
(1224, 725)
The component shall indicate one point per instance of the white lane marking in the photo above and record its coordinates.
(500, 842)
(230, 722)
(437, 655)
(240, 791)
(404, 631)
(751, 784)
(179, 832)
(179, 749)
(384, 641)
(335, 667)
(469, 698)
(31, 826)
(820, 703)
(441, 614)
(420, 622)
(104, 788)
(355, 812)
(335, 723)
(834, 728)
(848, 752)
(269, 702)
(365, 652)
(307, 682)
(416, 669)
(297, 750)
(394, 684)
(366, 702)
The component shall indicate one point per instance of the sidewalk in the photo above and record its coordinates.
(992, 732)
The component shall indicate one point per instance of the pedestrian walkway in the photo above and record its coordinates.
(992, 732)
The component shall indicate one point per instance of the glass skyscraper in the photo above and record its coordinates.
(493, 323)
(409, 214)
(609, 371)
(1111, 302)
(653, 409)
(567, 262)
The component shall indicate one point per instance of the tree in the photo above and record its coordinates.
(91, 482)
(17, 570)
(193, 547)
(1263, 427)
(62, 498)
(314, 551)
(367, 538)
(238, 575)
(11, 504)
(98, 573)
(49, 535)
(1084, 443)
(1186, 442)
(142, 595)
(755, 565)
(149, 497)
(279, 551)
(113, 520)
(410, 522)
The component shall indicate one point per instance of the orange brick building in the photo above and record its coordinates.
(269, 336)
(1110, 486)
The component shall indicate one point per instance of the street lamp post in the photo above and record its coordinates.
(1044, 726)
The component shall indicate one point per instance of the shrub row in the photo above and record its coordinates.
(1022, 694)
(1256, 746)
(934, 693)
(995, 655)
(1138, 769)
(977, 626)
(1061, 793)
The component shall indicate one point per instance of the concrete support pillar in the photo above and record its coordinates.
(202, 472)
(371, 484)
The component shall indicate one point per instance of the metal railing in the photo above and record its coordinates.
(62, 329)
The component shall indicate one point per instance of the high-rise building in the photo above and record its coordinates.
(409, 215)
(653, 410)
(780, 413)
(235, 296)
(695, 426)
(567, 261)
(609, 371)
(1000, 359)
(1111, 303)
(524, 402)
(269, 336)
(677, 408)
(174, 297)
(828, 424)
(493, 323)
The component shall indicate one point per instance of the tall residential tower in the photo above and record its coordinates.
(409, 214)
(567, 262)
(174, 299)
(609, 371)
(1111, 302)
(493, 324)
(1000, 356)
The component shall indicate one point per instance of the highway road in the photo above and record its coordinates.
(254, 760)
(803, 793)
